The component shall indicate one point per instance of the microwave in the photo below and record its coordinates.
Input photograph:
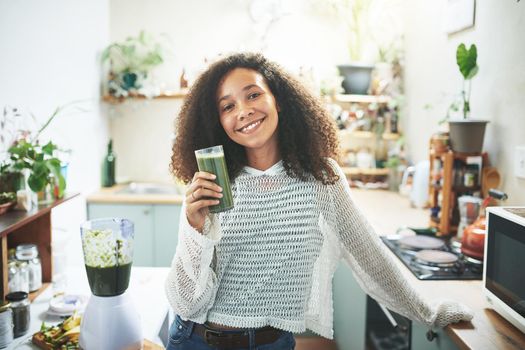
(503, 275)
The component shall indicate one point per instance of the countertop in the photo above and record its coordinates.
(113, 195)
(146, 289)
(388, 211)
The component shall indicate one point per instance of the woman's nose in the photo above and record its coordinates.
(245, 112)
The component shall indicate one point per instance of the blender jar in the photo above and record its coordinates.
(108, 254)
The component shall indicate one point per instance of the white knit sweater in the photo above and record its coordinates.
(271, 259)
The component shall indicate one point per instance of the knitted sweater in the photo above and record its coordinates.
(270, 260)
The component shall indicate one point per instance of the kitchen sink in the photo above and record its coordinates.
(141, 188)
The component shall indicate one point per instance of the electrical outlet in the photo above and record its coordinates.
(519, 162)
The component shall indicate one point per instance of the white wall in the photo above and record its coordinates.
(498, 91)
(48, 58)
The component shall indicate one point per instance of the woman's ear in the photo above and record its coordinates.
(277, 107)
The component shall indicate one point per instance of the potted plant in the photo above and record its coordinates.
(26, 157)
(466, 135)
(357, 74)
(130, 64)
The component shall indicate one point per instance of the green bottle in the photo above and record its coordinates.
(108, 168)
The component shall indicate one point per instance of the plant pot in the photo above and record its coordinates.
(466, 136)
(356, 78)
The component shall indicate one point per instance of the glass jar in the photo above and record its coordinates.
(18, 276)
(20, 307)
(6, 324)
(29, 254)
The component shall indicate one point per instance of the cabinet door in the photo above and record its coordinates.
(166, 224)
(142, 217)
(420, 342)
(349, 310)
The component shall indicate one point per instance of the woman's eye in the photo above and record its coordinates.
(227, 107)
(254, 95)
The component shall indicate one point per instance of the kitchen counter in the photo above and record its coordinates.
(113, 195)
(146, 288)
(388, 211)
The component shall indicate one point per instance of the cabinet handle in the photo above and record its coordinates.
(146, 212)
(431, 335)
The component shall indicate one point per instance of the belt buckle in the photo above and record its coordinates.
(208, 333)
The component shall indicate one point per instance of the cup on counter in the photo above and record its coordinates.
(211, 160)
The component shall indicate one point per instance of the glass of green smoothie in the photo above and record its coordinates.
(108, 254)
(211, 160)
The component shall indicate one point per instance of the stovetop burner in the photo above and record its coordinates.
(443, 263)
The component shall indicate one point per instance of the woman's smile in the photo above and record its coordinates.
(252, 127)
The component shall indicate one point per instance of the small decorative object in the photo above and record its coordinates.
(131, 63)
(440, 142)
(466, 135)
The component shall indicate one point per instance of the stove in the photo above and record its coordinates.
(431, 258)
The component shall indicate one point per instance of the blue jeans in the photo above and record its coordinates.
(182, 337)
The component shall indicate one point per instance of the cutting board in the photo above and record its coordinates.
(38, 341)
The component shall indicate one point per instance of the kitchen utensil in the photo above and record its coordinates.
(110, 320)
(491, 178)
(473, 240)
(468, 211)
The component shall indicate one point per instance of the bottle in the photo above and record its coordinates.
(29, 253)
(108, 168)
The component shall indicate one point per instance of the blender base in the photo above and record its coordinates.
(110, 323)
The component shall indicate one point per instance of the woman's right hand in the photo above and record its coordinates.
(201, 194)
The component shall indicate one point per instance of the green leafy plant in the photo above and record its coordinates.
(131, 61)
(466, 60)
(26, 152)
(44, 167)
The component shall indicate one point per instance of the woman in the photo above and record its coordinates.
(249, 277)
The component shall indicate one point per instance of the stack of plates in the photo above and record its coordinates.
(67, 304)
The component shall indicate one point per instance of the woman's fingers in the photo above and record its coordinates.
(202, 192)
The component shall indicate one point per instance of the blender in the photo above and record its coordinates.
(110, 321)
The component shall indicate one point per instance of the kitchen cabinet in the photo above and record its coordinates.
(156, 229)
(20, 227)
(441, 340)
(349, 309)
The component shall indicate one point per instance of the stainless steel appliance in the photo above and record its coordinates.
(504, 280)
(431, 258)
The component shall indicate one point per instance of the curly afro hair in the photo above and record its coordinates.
(307, 134)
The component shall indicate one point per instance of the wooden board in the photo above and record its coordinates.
(38, 340)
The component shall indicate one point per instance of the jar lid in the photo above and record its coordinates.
(4, 306)
(16, 296)
(26, 251)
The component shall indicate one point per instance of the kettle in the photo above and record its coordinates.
(473, 240)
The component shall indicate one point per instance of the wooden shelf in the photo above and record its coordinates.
(164, 95)
(362, 99)
(365, 171)
(367, 135)
(21, 227)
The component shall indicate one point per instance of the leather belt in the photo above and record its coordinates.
(233, 339)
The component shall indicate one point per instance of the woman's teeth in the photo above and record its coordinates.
(251, 126)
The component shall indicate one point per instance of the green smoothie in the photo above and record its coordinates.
(211, 160)
(108, 281)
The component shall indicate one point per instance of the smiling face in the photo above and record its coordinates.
(248, 112)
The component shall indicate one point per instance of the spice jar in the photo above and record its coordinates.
(6, 324)
(21, 312)
(29, 254)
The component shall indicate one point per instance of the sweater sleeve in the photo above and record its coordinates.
(375, 270)
(191, 284)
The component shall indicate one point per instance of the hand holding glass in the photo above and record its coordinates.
(211, 160)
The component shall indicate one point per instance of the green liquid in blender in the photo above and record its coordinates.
(108, 281)
(215, 164)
